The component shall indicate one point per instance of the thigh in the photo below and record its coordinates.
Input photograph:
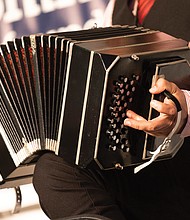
(66, 190)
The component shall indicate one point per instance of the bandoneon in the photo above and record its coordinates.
(69, 92)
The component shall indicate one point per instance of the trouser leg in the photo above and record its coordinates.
(66, 190)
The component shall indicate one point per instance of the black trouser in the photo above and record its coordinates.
(161, 191)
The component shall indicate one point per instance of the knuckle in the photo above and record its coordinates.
(172, 111)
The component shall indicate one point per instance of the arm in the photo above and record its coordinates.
(165, 122)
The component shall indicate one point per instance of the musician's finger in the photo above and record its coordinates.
(135, 121)
(166, 108)
(139, 125)
(132, 115)
(162, 84)
(161, 125)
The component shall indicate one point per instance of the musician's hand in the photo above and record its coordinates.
(164, 123)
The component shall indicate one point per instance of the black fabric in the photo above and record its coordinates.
(65, 190)
(161, 191)
(122, 14)
(169, 16)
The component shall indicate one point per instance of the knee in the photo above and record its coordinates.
(42, 170)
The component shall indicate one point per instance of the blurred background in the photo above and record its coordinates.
(24, 17)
